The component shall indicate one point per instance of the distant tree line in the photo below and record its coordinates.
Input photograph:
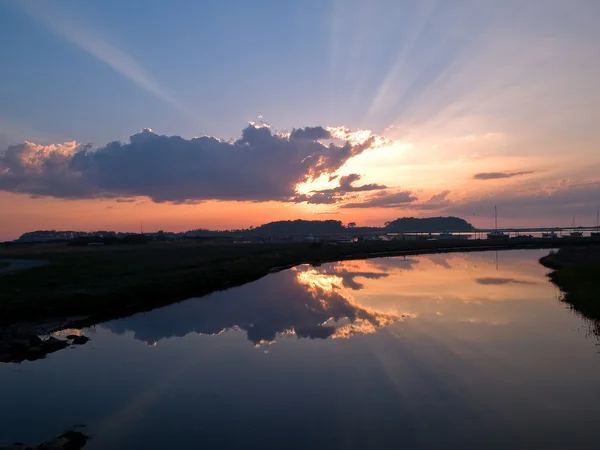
(278, 228)
(429, 224)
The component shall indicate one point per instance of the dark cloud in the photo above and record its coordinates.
(335, 195)
(346, 185)
(323, 198)
(499, 175)
(326, 213)
(310, 133)
(499, 281)
(538, 200)
(439, 198)
(260, 166)
(384, 200)
(437, 201)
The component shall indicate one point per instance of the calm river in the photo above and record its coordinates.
(453, 351)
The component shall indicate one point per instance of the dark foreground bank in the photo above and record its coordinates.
(69, 440)
(576, 271)
(93, 284)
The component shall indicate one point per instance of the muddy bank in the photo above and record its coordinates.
(576, 271)
(99, 284)
(570, 257)
(29, 342)
(69, 440)
(8, 266)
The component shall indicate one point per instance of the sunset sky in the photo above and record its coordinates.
(226, 114)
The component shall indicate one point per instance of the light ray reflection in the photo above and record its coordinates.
(351, 298)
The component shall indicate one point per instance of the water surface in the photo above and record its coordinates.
(439, 351)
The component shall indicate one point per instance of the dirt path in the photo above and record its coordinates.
(14, 265)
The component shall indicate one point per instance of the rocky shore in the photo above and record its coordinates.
(16, 347)
(69, 440)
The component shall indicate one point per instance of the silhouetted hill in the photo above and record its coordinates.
(429, 224)
(299, 227)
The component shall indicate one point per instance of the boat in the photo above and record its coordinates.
(446, 235)
(523, 236)
(575, 234)
(549, 235)
(496, 234)
(595, 235)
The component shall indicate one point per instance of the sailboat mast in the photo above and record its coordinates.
(495, 217)
(598, 217)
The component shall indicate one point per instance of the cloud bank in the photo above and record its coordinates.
(335, 195)
(385, 200)
(495, 281)
(499, 175)
(260, 166)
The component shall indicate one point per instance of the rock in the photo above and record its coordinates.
(75, 440)
(70, 440)
(52, 344)
(19, 345)
(36, 352)
(29, 348)
(80, 340)
(34, 340)
(58, 443)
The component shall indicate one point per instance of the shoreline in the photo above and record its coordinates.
(180, 273)
(576, 272)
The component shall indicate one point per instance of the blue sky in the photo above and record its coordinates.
(223, 63)
(455, 89)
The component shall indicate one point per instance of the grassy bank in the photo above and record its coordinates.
(577, 274)
(116, 281)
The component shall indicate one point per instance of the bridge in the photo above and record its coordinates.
(537, 229)
(483, 231)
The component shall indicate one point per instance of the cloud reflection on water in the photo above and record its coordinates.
(343, 299)
(497, 281)
(306, 301)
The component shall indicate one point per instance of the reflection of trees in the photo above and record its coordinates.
(308, 302)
